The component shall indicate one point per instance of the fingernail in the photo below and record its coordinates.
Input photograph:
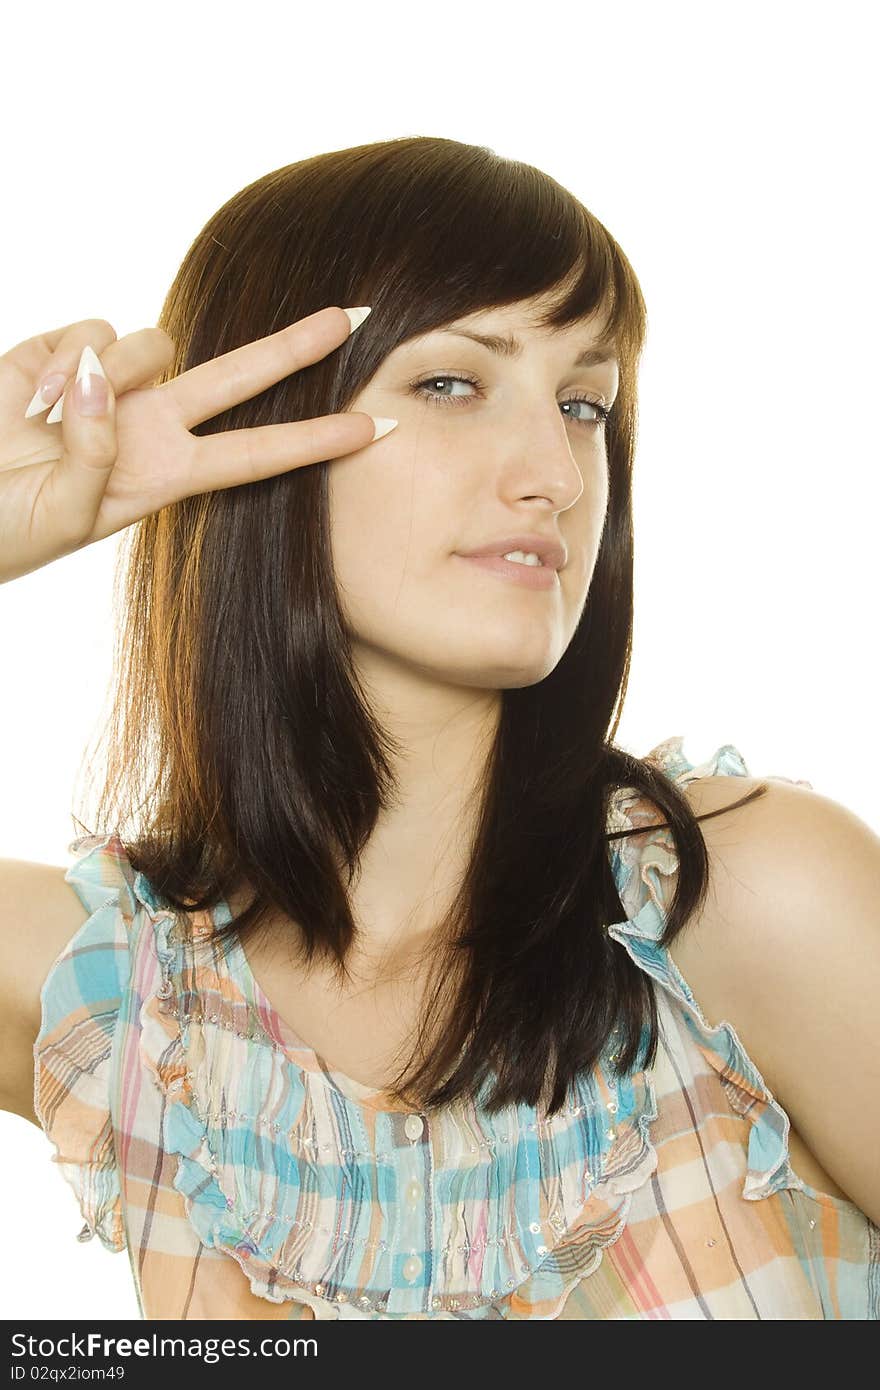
(357, 316)
(383, 426)
(45, 394)
(90, 390)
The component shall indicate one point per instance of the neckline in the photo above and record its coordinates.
(295, 1049)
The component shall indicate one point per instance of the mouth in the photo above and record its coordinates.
(528, 576)
(529, 548)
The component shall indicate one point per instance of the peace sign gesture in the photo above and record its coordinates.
(65, 485)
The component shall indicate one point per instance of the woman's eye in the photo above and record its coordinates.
(427, 389)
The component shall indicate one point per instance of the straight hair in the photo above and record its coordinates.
(242, 749)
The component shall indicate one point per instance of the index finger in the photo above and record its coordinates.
(212, 387)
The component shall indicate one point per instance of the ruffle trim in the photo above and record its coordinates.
(640, 866)
(517, 1209)
(73, 1051)
(514, 1209)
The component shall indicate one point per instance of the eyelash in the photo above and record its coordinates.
(415, 387)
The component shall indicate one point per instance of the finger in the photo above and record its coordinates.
(245, 456)
(212, 387)
(68, 501)
(53, 337)
(137, 358)
(128, 362)
(37, 362)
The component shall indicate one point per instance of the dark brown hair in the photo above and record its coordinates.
(242, 748)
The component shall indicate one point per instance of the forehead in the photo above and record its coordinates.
(590, 349)
(509, 333)
(526, 314)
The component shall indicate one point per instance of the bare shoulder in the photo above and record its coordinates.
(787, 950)
(733, 838)
(39, 913)
(768, 859)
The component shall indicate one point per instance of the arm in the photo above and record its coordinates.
(39, 913)
(791, 944)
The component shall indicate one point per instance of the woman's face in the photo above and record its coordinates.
(521, 451)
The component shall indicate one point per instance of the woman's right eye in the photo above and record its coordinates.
(426, 386)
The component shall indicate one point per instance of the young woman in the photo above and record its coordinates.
(388, 985)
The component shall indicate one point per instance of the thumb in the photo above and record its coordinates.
(87, 412)
(91, 393)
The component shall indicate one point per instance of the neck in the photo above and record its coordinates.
(414, 862)
(415, 859)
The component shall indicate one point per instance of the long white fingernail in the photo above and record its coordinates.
(45, 394)
(357, 316)
(55, 413)
(90, 393)
(383, 426)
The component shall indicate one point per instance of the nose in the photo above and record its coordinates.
(543, 465)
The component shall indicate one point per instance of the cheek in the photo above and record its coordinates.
(394, 523)
(387, 530)
(395, 513)
(586, 519)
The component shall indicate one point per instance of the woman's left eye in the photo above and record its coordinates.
(425, 389)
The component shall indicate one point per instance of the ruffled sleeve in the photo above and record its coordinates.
(644, 867)
(81, 1002)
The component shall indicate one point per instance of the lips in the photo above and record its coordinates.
(540, 577)
(551, 552)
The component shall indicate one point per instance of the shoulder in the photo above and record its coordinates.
(787, 949)
(785, 866)
(39, 913)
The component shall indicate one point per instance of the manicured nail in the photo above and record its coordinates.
(55, 413)
(45, 394)
(383, 426)
(90, 392)
(357, 316)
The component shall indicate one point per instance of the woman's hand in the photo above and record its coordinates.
(65, 485)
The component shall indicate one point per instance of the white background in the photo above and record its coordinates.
(731, 150)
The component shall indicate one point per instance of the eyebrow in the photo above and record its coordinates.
(509, 346)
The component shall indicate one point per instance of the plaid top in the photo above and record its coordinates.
(247, 1179)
